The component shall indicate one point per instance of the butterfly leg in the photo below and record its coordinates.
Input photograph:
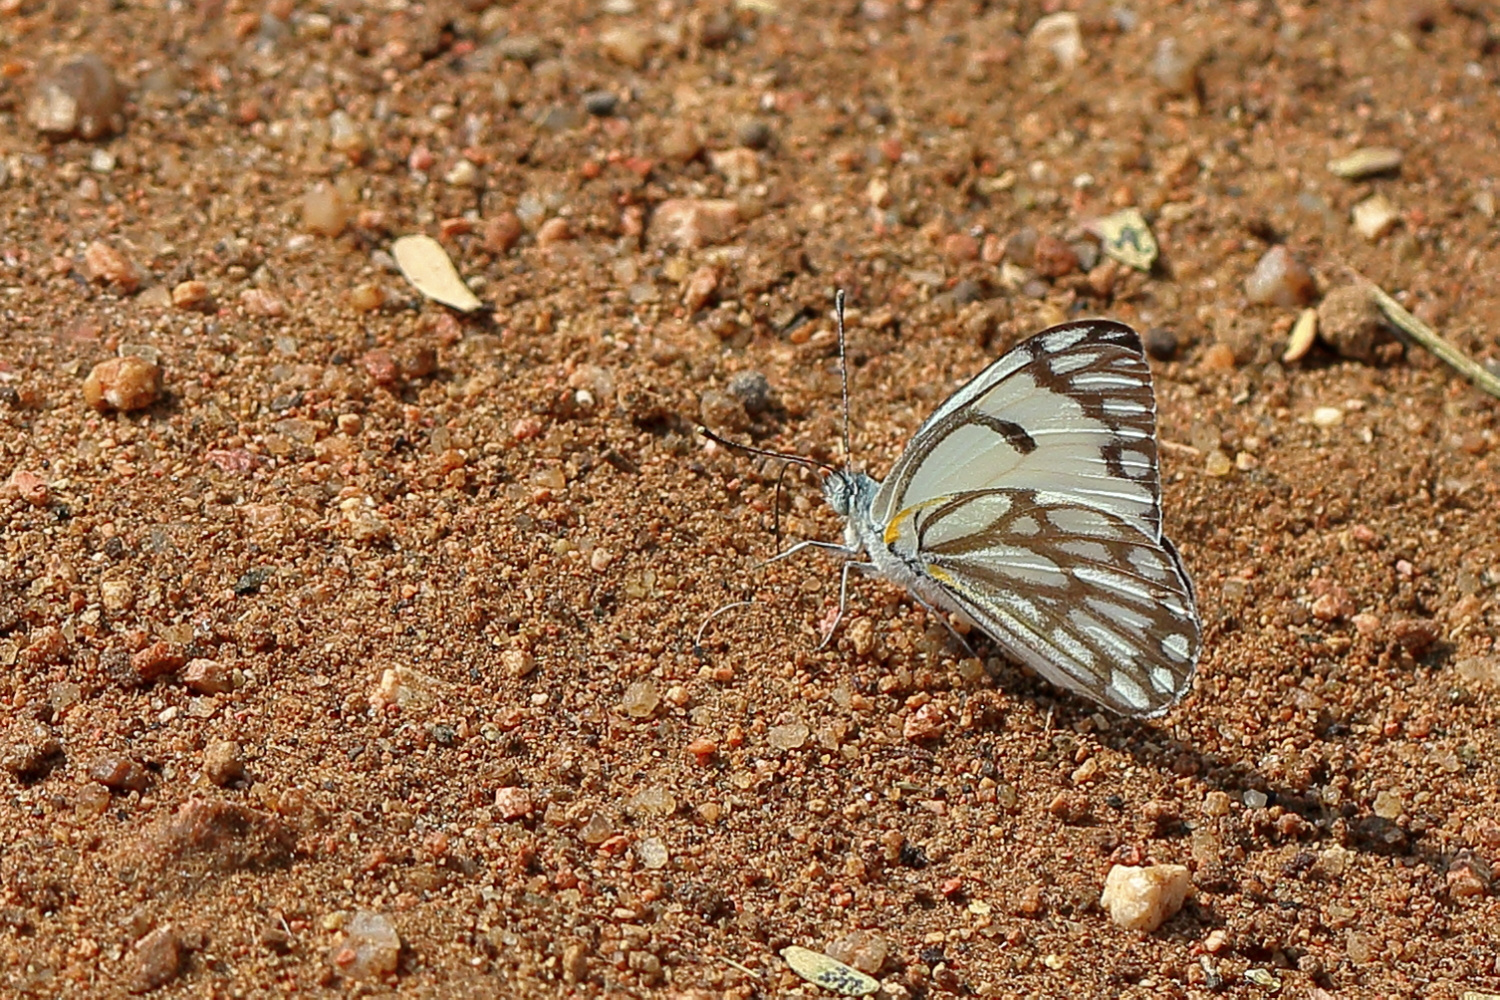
(842, 550)
(941, 616)
(844, 593)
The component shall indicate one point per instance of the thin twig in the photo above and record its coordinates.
(1428, 338)
(747, 971)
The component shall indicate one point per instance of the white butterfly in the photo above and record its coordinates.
(1030, 502)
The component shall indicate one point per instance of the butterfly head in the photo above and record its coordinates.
(848, 492)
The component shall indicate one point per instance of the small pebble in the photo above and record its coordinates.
(1469, 876)
(1327, 416)
(753, 391)
(865, 950)
(346, 136)
(754, 134)
(371, 947)
(640, 699)
(1374, 217)
(792, 736)
(1160, 343)
(1388, 805)
(192, 296)
(960, 248)
(1174, 67)
(502, 232)
(703, 750)
(107, 265)
(512, 803)
(324, 211)
(1482, 669)
(1280, 279)
(1087, 252)
(600, 103)
(119, 774)
(1053, 258)
(552, 232)
(1263, 978)
(30, 751)
(29, 486)
(156, 660)
(81, 97)
(262, 302)
(91, 800)
(223, 763)
(652, 853)
(1142, 899)
(721, 411)
(528, 49)
(463, 174)
(128, 383)
(1059, 36)
(1219, 357)
(366, 297)
(517, 663)
(210, 677)
(739, 166)
(681, 143)
(596, 830)
(410, 690)
(926, 723)
(701, 288)
(1351, 323)
(627, 45)
(693, 223)
(1368, 161)
(48, 645)
(653, 800)
(1415, 635)
(1020, 247)
(159, 958)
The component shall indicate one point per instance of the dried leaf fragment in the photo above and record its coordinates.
(829, 973)
(1127, 238)
(1304, 332)
(425, 264)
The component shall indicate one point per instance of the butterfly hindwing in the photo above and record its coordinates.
(1079, 594)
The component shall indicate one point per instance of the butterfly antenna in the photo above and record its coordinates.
(811, 463)
(838, 312)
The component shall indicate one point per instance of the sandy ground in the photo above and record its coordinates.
(360, 654)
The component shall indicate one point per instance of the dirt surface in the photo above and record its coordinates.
(363, 650)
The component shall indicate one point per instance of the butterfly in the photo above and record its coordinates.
(1029, 502)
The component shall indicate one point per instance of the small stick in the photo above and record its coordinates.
(749, 972)
(1429, 338)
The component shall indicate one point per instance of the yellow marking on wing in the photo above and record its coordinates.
(893, 530)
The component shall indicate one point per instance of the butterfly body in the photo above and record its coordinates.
(1029, 502)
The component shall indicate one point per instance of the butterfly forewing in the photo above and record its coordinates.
(1030, 501)
(1069, 411)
